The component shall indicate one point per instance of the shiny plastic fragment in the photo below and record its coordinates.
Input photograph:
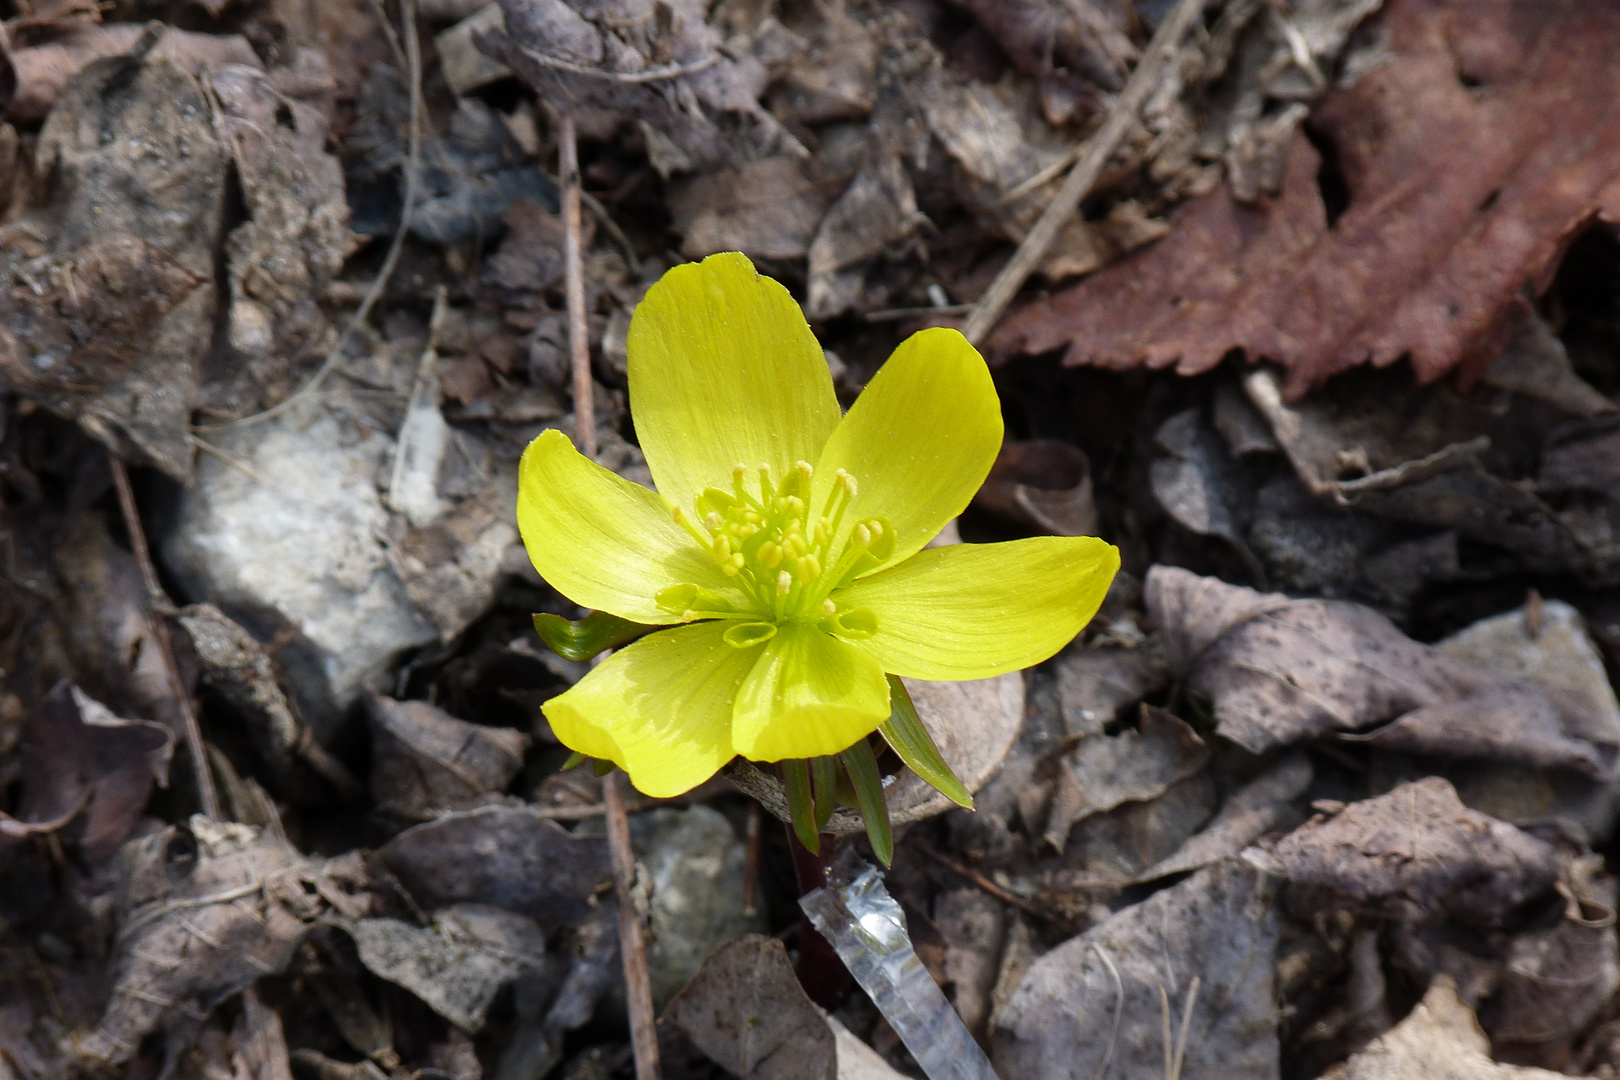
(866, 927)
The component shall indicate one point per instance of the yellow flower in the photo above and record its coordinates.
(784, 546)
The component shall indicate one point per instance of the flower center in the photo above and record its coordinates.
(779, 550)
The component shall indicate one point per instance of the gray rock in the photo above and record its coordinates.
(696, 865)
(300, 544)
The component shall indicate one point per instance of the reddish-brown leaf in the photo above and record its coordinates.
(1471, 160)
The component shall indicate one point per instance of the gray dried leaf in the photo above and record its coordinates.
(1200, 486)
(746, 1010)
(457, 964)
(1281, 671)
(1136, 765)
(1555, 982)
(425, 760)
(974, 926)
(505, 856)
(833, 72)
(766, 209)
(1041, 484)
(975, 725)
(1416, 849)
(1438, 1040)
(1536, 364)
(1094, 684)
(1247, 814)
(1092, 1004)
(77, 756)
(204, 909)
(1116, 847)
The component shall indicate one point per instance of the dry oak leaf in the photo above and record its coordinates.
(1471, 159)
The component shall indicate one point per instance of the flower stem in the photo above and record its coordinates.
(820, 971)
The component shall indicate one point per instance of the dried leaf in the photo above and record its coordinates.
(1247, 814)
(1280, 671)
(1469, 163)
(77, 756)
(1438, 1040)
(1092, 1004)
(1134, 766)
(459, 963)
(1041, 484)
(425, 760)
(766, 209)
(746, 1010)
(1420, 848)
(204, 909)
(504, 856)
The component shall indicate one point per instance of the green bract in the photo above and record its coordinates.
(784, 546)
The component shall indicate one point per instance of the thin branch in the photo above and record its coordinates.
(579, 346)
(156, 603)
(632, 948)
(973, 876)
(657, 74)
(1155, 61)
(413, 168)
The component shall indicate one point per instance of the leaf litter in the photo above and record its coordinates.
(1327, 789)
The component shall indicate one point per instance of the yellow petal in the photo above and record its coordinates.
(919, 440)
(602, 541)
(970, 611)
(809, 694)
(660, 708)
(724, 371)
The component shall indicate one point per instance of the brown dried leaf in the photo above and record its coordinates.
(425, 760)
(1420, 848)
(1438, 1040)
(1042, 484)
(766, 209)
(204, 909)
(1095, 998)
(746, 1010)
(1471, 159)
(76, 755)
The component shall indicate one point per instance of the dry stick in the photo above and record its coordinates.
(1160, 51)
(424, 372)
(579, 346)
(413, 168)
(632, 949)
(156, 603)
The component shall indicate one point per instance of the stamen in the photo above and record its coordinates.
(784, 582)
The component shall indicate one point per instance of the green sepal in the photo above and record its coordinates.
(862, 766)
(824, 774)
(602, 767)
(575, 760)
(796, 778)
(905, 732)
(584, 638)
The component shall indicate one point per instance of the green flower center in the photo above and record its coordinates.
(781, 552)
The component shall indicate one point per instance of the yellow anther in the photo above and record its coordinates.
(809, 567)
(876, 527)
(784, 582)
(863, 536)
(797, 544)
(769, 555)
(846, 481)
(722, 548)
(713, 521)
(735, 564)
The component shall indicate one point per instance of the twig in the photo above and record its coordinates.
(1186, 1025)
(632, 949)
(657, 74)
(413, 168)
(756, 815)
(424, 372)
(1160, 51)
(579, 346)
(989, 886)
(156, 602)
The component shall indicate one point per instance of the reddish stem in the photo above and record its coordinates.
(820, 971)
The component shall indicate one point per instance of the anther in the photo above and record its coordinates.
(828, 607)
(784, 582)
